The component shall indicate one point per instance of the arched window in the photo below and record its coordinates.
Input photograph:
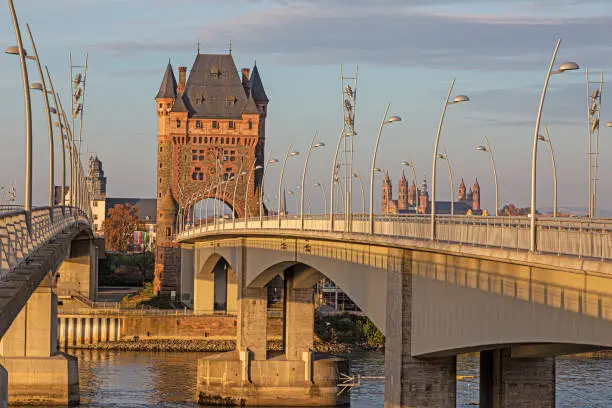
(200, 140)
(233, 140)
(205, 139)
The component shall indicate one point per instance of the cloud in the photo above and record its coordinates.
(309, 35)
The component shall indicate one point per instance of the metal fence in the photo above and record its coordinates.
(574, 237)
(21, 233)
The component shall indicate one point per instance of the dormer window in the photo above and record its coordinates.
(230, 101)
(198, 124)
(231, 124)
(215, 124)
(215, 72)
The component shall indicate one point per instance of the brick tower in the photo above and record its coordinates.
(424, 205)
(387, 194)
(402, 193)
(476, 196)
(211, 128)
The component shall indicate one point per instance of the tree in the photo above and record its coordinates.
(119, 226)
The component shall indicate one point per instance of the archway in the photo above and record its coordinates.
(216, 287)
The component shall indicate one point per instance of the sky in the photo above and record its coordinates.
(408, 51)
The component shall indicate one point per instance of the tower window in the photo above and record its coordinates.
(160, 165)
(194, 157)
(160, 149)
(168, 231)
(178, 123)
(198, 124)
(250, 124)
(161, 105)
(215, 124)
(233, 140)
(205, 139)
(200, 140)
(231, 124)
(222, 140)
(238, 140)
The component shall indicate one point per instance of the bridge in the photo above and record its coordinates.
(476, 288)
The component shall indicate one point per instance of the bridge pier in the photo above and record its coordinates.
(412, 382)
(251, 376)
(512, 382)
(79, 271)
(37, 373)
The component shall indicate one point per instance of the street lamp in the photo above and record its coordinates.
(358, 177)
(385, 121)
(566, 66)
(43, 88)
(322, 187)
(447, 101)
(261, 190)
(554, 167)
(488, 149)
(280, 182)
(444, 156)
(410, 164)
(313, 145)
(294, 194)
(18, 50)
(59, 125)
(246, 193)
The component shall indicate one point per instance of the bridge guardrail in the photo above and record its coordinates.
(574, 237)
(21, 233)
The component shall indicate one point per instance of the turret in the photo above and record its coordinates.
(402, 193)
(387, 194)
(476, 196)
(166, 217)
(423, 199)
(413, 195)
(165, 98)
(461, 192)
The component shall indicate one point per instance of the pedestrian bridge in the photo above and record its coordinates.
(476, 288)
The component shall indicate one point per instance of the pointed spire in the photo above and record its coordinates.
(283, 209)
(476, 185)
(462, 184)
(387, 178)
(168, 85)
(181, 104)
(403, 179)
(257, 89)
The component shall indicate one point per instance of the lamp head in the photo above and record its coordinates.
(609, 124)
(406, 163)
(440, 156)
(541, 138)
(244, 173)
(379, 170)
(317, 184)
(319, 144)
(294, 153)
(37, 86)
(482, 148)
(460, 98)
(258, 167)
(394, 118)
(14, 50)
(568, 66)
(355, 175)
(272, 161)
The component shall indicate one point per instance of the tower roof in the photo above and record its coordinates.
(462, 184)
(180, 105)
(387, 178)
(168, 204)
(167, 88)
(403, 179)
(257, 89)
(214, 89)
(476, 185)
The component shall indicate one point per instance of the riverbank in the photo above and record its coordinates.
(212, 346)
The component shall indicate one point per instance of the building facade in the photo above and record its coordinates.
(211, 135)
(416, 201)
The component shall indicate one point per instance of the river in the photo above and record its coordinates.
(147, 380)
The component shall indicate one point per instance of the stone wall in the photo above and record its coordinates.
(167, 269)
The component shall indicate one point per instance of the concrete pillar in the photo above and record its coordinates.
(112, 327)
(79, 272)
(252, 322)
(104, 329)
(512, 382)
(95, 336)
(411, 382)
(187, 272)
(299, 318)
(232, 291)
(71, 331)
(62, 332)
(87, 333)
(37, 373)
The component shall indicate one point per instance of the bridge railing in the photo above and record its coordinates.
(21, 233)
(577, 237)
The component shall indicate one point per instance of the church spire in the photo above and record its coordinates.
(256, 86)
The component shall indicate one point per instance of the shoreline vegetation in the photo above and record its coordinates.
(337, 334)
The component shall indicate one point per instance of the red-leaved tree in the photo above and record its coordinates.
(119, 226)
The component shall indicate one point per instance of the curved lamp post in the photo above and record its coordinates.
(410, 164)
(488, 149)
(61, 129)
(554, 167)
(246, 193)
(313, 145)
(18, 50)
(385, 121)
(261, 190)
(358, 177)
(566, 66)
(447, 101)
(322, 187)
(42, 86)
(280, 182)
(444, 156)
